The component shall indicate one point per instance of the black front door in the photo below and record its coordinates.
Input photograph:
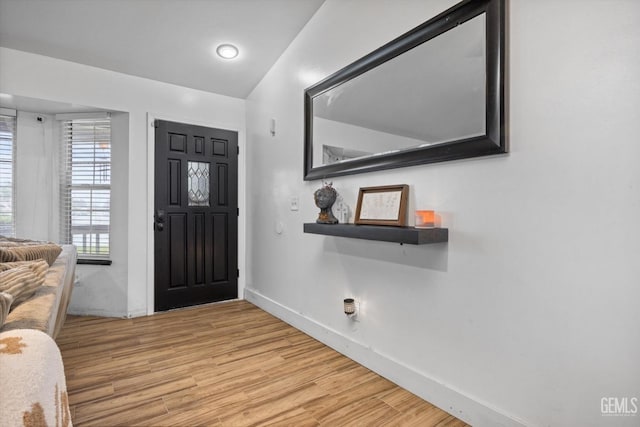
(196, 215)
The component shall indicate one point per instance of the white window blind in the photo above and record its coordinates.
(7, 175)
(85, 199)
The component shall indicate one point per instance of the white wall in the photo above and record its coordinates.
(530, 313)
(36, 147)
(41, 77)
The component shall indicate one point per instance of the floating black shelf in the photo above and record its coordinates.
(409, 235)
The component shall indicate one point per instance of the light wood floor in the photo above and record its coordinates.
(229, 364)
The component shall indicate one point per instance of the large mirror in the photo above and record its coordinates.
(436, 93)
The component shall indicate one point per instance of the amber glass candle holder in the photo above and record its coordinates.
(425, 219)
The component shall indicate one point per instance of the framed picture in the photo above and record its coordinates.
(386, 205)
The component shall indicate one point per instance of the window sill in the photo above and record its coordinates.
(93, 261)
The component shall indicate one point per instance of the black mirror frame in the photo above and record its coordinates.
(493, 142)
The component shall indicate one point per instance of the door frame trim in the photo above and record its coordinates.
(151, 152)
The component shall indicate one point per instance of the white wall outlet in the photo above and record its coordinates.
(294, 203)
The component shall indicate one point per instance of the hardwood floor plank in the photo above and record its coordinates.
(129, 385)
(367, 412)
(373, 387)
(205, 417)
(295, 417)
(131, 416)
(402, 400)
(201, 397)
(113, 368)
(103, 408)
(228, 370)
(429, 417)
(225, 364)
(87, 394)
(352, 376)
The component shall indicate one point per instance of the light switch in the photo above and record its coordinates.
(293, 204)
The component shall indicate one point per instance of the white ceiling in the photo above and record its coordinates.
(172, 41)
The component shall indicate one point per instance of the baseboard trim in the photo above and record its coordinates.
(445, 397)
(96, 312)
(137, 313)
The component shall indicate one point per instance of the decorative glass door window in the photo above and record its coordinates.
(198, 174)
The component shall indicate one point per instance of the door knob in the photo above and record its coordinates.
(158, 223)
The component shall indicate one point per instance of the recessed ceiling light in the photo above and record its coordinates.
(227, 51)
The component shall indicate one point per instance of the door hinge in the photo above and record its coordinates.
(238, 147)
(238, 211)
(155, 124)
(238, 272)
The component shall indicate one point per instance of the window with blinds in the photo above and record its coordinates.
(7, 175)
(85, 199)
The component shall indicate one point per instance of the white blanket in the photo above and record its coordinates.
(33, 391)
